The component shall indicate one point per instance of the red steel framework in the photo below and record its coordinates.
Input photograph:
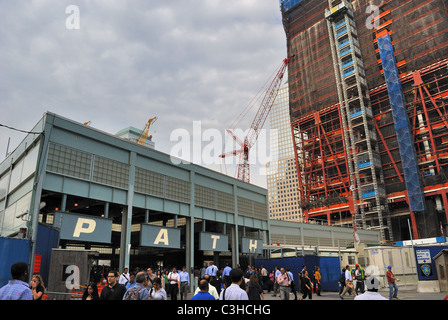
(426, 94)
(323, 167)
(324, 184)
(320, 150)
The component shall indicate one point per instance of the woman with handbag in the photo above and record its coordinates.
(306, 286)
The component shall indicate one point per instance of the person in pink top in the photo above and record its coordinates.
(284, 283)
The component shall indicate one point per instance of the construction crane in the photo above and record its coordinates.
(145, 133)
(257, 124)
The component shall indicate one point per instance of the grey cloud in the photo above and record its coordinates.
(179, 60)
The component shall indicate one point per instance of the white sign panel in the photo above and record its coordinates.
(423, 256)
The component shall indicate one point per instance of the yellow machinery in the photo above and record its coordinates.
(145, 133)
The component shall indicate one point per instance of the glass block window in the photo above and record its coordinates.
(213, 199)
(245, 207)
(225, 201)
(69, 161)
(149, 182)
(253, 209)
(261, 210)
(177, 189)
(159, 185)
(111, 172)
(204, 197)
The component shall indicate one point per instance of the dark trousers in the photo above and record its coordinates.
(264, 282)
(306, 293)
(183, 290)
(341, 287)
(174, 289)
(360, 286)
(293, 289)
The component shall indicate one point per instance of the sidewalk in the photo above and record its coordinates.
(402, 295)
(330, 295)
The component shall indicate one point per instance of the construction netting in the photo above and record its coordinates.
(287, 5)
(401, 123)
(417, 28)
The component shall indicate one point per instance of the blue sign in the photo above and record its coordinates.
(425, 261)
(213, 242)
(154, 236)
(83, 227)
(251, 245)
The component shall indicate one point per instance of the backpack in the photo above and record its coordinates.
(133, 294)
(342, 278)
(253, 291)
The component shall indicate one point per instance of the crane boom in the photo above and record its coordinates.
(145, 133)
(257, 124)
(266, 105)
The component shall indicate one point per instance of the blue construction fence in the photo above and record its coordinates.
(329, 268)
(14, 250)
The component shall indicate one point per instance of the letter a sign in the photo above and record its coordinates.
(154, 236)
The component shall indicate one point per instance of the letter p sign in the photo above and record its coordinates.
(84, 225)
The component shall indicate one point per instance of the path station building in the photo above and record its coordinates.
(124, 200)
(130, 203)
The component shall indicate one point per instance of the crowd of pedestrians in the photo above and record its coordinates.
(284, 283)
(215, 283)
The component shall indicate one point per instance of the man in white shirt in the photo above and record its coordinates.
(234, 292)
(348, 283)
(124, 277)
(373, 285)
(211, 289)
(174, 280)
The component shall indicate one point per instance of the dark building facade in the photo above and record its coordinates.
(352, 159)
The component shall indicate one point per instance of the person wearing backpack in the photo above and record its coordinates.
(360, 277)
(341, 281)
(254, 290)
(139, 291)
(124, 277)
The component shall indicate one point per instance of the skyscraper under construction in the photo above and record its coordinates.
(368, 90)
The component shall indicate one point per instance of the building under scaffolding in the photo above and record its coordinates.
(368, 104)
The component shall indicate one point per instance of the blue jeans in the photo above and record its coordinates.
(393, 290)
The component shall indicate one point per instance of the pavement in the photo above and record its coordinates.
(403, 294)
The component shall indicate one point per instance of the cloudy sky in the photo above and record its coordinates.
(130, 60)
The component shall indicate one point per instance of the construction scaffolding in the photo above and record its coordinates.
(367, 182)
(349, 164)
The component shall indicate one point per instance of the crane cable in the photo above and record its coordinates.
(257, 97)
